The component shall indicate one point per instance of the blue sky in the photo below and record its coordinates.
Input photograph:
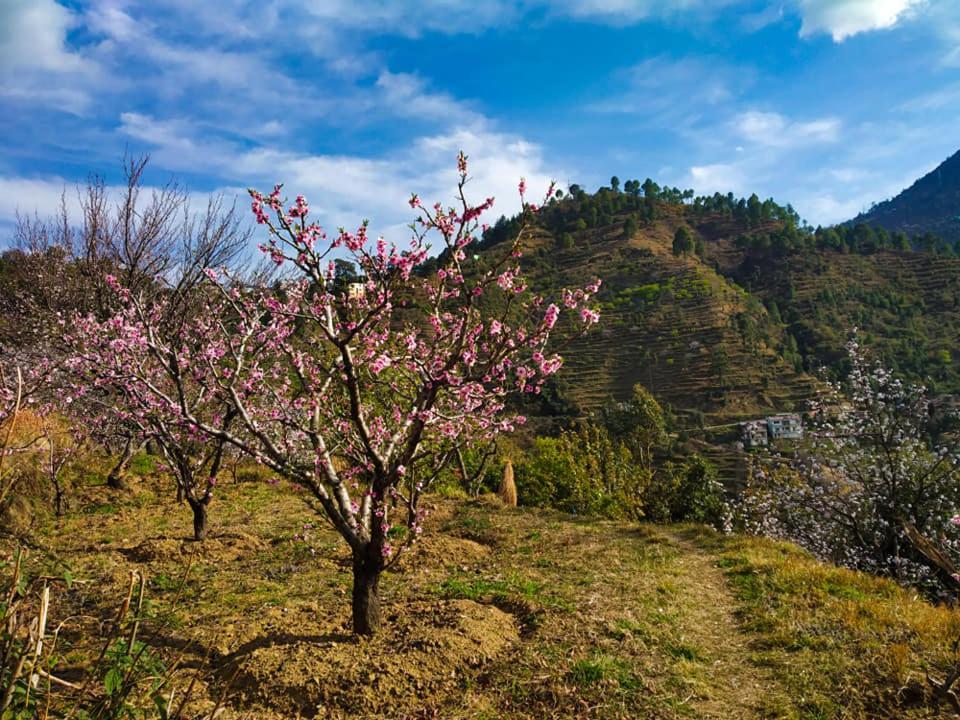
(827, 104)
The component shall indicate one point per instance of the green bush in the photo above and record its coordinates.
(588, 473)
(582, 472)
(687, 492)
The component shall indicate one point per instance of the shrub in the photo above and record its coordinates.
(872, 482)
(687, 492)
(583, 472)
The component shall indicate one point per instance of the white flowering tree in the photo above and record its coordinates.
(873, 481)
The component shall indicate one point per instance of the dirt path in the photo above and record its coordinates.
(733, 686)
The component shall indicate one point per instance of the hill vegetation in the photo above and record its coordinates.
(930, 205)
(728, 308)
(672, 322)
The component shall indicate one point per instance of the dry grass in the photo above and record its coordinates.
(500, 612)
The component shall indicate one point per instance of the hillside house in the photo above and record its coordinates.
(356, 291)
(753, 433)
(785, 427)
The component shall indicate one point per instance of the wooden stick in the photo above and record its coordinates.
(41, 631)
(136, 617)
(58, 681)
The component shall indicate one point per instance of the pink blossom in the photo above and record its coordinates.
(550, 318)
(588, 316)
(380, 364)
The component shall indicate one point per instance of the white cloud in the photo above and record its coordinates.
(106, 18)
(37, 65)
(938, 100)
(719, 177)
(415, 17)
(775, 130)
(33, 35)
(845, 18)
(172, 135)
(402, 17)
(631, 11)
(675, 93)
(848, 174)
(32, 195)
(829, 210)
(950, 32)
(344, 189)
(407, 95)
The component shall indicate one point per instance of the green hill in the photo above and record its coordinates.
(672, 322)
(745, 321)
(905, 304)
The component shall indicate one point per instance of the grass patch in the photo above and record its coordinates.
(102, 509)
(492, 590)
(142, 464)
(604, 669)
(845, 644)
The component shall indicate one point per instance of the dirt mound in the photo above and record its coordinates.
(440, 551)
(417, 658)
(225, 547)
(153, 549)
(17, 515)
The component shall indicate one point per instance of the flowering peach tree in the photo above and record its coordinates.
(361, 390)
(133, 369)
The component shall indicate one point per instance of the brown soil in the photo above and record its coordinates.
(443, 551)
(315, 669)
(223, 547)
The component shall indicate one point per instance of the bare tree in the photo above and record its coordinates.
(148, 240)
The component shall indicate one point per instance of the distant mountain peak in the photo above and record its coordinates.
(931, 204)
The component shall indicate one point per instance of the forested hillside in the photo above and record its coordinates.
(726, 307)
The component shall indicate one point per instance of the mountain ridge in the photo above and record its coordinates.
(752, 319)
(930, 205)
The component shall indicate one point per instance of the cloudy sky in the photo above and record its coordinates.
(827, 104)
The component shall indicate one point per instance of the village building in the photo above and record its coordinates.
(785, 427)
(356, 291)
(753, 433)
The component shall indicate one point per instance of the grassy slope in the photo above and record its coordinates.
(505, 613)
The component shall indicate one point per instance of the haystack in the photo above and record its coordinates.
(508, 489)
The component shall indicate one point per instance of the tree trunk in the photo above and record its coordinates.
(115, 478)
(199, 519)
(367, 566)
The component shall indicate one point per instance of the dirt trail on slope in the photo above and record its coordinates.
(734, 687)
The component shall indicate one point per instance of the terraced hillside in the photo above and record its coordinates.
(739, 325)
(699, 342)
(906, 304)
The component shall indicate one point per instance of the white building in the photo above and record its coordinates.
(356, 291)
(785, 427)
